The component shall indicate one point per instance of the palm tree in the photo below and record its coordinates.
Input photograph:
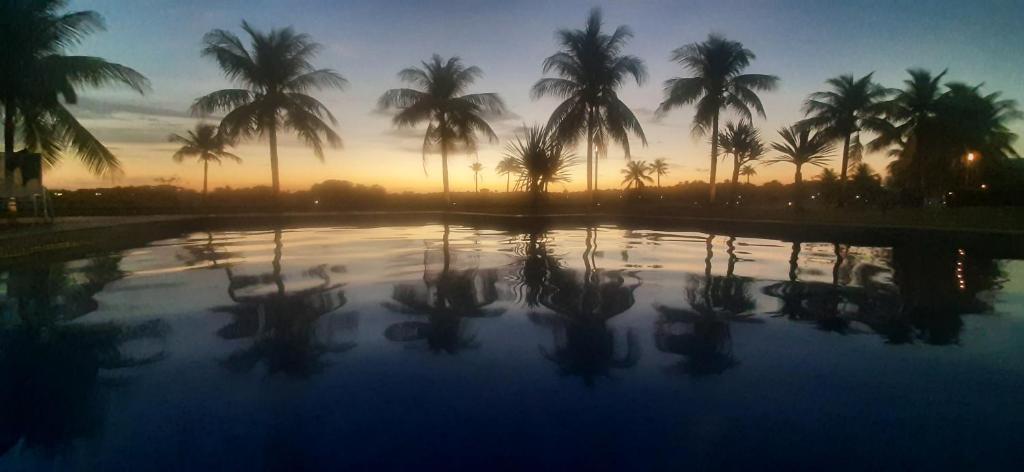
(591, 68)
(476, 167)
(744, 143)
(659, 168)
(275, 75)
(748, 171)
(507, 167)
(800, 147)
(853, 105)
(452, 118)
(38, 80)
(540, 159)
(636, 174)
(205, 143)
(718, 83)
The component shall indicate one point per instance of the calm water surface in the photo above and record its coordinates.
(454, 347)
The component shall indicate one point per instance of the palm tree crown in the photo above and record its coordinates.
(476, 167)
(507, 166)
(748, 171)
(851, 106)
(206, 143)
(540, 159)
(800, 147)
(453, 117)
(590, 68)
(743, 141)
(275, 75)
(718, 83)
(659, 167)
(636, 174)
(38, 80)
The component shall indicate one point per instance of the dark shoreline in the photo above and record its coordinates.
(84, 236)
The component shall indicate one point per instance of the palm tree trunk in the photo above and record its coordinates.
(714, 157)
(275, 180)
(842, 172)
(206, 170)
(8, 140)
(590, 155)
(659, 180)
(444, 170)
(735, 177)
(476, 182)
(798, 182)
(508, 182)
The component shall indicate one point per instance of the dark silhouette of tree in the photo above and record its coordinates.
(275, 75)
(718, 84)
(743, 141)
(52, 356)
(38, 80)
(748, 171)
(446, 300)
(636, 174)
(584, 344)
(507, 167)
(476, 167)
(800, 147)
(285, 326)
(205, 143)
(452, 118)
(590, 69)
(540, 159)
(842, 113)
(659, 168)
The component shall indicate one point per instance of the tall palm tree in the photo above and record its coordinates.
(476, 167)
(718, 84)
(507, 167)
(205, 143)
(275, 74)
(452, 118)
(38, 80)
(800, 147)
(659, 168)
(748, 171)
(590, 68)
(635, 174)
(743, 141)
(540, 159)
(851, 106)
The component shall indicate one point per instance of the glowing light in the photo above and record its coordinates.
(99, 194)
(316, 202)
(791, 203)
(970, 157)
(983, 186)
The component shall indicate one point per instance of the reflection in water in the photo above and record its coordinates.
(701, 333)
(287, 328)
(50, 363)
(445, 299)
(584, 344)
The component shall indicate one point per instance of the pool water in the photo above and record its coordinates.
(456, 347)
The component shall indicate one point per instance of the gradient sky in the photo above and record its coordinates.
(803, 42)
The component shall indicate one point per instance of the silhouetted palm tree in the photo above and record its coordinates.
(748, 171)
(452, 118)
(507, 166)
(842, 113)
(590, 68)
(636, 174)
(275, 74)
(38, 80)
(718, 84)
(659, 167)
(476, 167)
(540, 159)
(205, 143)
(800, 147)
(744, 143)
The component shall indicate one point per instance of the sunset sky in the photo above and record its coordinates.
(803, 42)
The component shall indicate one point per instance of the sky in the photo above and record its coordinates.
(368, 42)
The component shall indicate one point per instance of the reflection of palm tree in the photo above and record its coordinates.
(701, 333)
(584, 343)
(446, 300)
(49, 366)
(207, 252)
(284, 324)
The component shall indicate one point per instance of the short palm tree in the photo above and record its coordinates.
(275, 75)
(659, 168)
(718, 84)
(38, 81)
(507, 167)
(452, 118)
(476, 167)
(590, 68)
(748, 171)
(206, 144)
(540, 159)
(636, 174)
(800, 147)
(743, 141)
(851, 106)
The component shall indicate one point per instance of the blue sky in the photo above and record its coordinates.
(803, 42)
